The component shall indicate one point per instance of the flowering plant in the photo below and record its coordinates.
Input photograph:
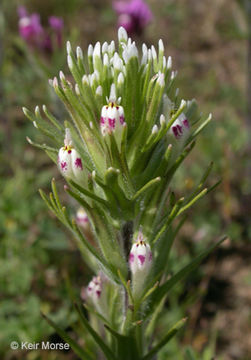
(127, 134)
(35, 35)
(134, 15)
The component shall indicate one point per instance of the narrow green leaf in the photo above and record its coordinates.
(55, 193)
(146, 187)
(46, 200)
(73, 344)
(89, 194)
(165, 340)
(126, 285)
(200, 128)
(41, 146)
(100, 342)
(162, 290)
(196, 198)
(126, 345)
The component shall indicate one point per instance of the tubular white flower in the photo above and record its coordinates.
(161, 46)
(94, 289)
(85, 80)
(61, 75)
(99, 90)
(122, 34)
(69, 160)
(164, 63)
(112, 119)
(161, 79)
(121, 78)
(79, 53)
(117, 62)
(169, 62)
(111, 48)
(130, 51)
(90, 50)
(70, 62)
(68, 47)
(106, 60)
(140, 261)
(162, 120)
(174, 74)
(97, 50)
(105, 47)
(149, 55)
(180, 127)
(77, 91)
(154, 54)
(155, 129)
(82, 219)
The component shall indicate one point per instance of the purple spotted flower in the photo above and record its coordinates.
(94, 289)
(69, 160)
(140, 257)
(112, 119)
(180, 127)
(133, 15)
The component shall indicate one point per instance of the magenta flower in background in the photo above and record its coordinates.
(133, 15)
(30, 28)
(35, 35)
(57, 25)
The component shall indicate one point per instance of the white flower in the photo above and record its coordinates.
(140, 258)
(69, 160)
(94, 289)
(180, 127)
(82, 219)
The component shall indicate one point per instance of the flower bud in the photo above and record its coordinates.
(94, 289)
(82, 219)
(69, 160)
(96, 292)
(122, 34)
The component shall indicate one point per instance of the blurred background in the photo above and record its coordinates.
(210, 46)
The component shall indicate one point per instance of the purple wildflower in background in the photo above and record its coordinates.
(57, 24)
(35, 35)
(30, 28)
(133, 15)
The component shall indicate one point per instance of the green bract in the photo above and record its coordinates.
(126, 135)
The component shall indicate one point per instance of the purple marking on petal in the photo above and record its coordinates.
(78, 163)
(89, 288)
(111, 123)
(63, 165)
(142, 259)
(186, 123)
(98, 292)
(150, 256)
(180, 131)
(131, 258)
(121, 119)
(69, 151)
(102, 121)
(175, 131)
